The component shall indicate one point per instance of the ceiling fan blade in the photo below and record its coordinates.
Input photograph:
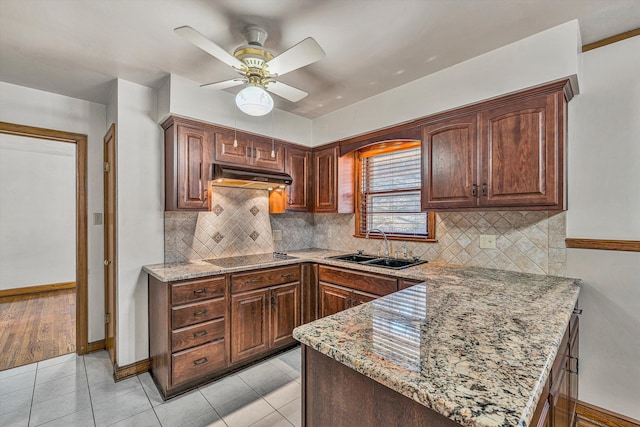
(224, 84)
(304, 53)
(285, 91)
(208, 46)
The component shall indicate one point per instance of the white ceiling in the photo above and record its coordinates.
(77, 47)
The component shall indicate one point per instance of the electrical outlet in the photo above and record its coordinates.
(487, 241)
(277, 235)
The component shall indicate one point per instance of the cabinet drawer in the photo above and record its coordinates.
(374, 284)
(189, 314)
(197, 290)
(198, 361)
(192, 336)
(260, 279)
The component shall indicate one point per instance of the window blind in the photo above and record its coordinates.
(390, 185)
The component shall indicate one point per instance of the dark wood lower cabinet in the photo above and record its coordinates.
(264, 319)
(334, 395)
(201, 329)
(249, 324)
(557, 405)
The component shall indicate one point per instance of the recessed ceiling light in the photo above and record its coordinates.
(339, 97)
(400, 71)
(320, 105)
(431, 58)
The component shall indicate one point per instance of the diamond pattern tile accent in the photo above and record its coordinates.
(217, 209)
(254, 235)
(218, 237)
(254, 210)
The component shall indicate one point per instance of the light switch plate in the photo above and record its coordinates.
(97, 218)
(277, 235)
(487, 241)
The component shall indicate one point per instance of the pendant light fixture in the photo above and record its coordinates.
(235, 135)
(254, 101)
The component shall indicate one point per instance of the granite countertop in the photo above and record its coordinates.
(199, 268)
(476, 345)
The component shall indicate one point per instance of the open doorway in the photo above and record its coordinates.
(43, 282)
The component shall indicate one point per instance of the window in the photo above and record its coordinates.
(389, 183)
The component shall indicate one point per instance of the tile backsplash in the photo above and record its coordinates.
(527, 241)
(239, 224)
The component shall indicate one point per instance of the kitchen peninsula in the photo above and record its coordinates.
(470, 346)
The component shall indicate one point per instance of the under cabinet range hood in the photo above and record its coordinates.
(241, 177)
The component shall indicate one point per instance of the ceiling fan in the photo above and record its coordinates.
(257, 67)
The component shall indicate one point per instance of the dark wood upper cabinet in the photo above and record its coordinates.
(251, 150)
(298, 165)
(188, 153)
(333, 181)
(326, 180)
(505, 153)
(449, 159)
(227, 153)
(521, 150)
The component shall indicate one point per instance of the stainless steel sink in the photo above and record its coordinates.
(396, 264)
(358, 258)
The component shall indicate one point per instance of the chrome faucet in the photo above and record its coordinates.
(386, 242)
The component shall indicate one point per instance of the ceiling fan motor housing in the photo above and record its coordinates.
(254, 56)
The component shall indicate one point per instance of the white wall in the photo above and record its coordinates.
(543, 57)
(604, 203)
(140, 213)
(187, 98)
(47, 110)
(37, 212)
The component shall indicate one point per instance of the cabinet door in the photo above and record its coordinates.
(262, 155)
(449, 159)
(358, 298)
(333, 299)
(297, 165)
(227, 153)
(194, 152)
(522, 154)
(285, 313)
(560, 386)
(326, 180)
(249, 324)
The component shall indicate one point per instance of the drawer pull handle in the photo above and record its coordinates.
(200, 313)
(251, 281)
(577, 311)
(200, 291)
(286, 275)
(200, 361)
(199, 334)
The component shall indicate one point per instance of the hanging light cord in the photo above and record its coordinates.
(273, 144)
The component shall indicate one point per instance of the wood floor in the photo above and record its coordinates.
(36, 327)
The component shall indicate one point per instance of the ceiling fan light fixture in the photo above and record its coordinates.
(254, 101)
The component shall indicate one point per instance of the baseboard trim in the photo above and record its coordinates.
(136, 368)
(593, 416)
(96, 345)
(37, 289)
(602, 244)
